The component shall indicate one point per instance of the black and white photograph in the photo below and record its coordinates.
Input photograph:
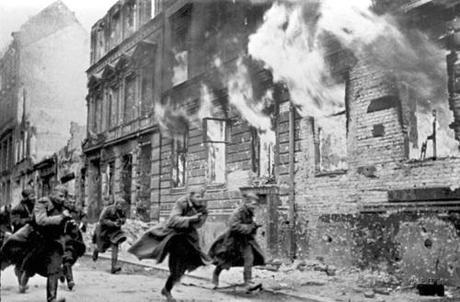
(229, 150)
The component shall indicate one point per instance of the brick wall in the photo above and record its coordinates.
(330, 206)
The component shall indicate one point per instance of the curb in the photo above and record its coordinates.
(307, 297)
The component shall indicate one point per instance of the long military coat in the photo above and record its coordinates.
(74, 245)
(227, 249)
(22, 214)
(108, 231)
(178, 233)
(37, 248)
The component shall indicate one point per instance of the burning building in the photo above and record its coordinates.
(341, 117)
(41, 91)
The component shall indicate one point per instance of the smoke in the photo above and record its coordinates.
(206, 107)
(299, 42)
(173, 120)
(293, 44)
(241, 96)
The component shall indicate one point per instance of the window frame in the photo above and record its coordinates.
(317, 149)
(227, 131)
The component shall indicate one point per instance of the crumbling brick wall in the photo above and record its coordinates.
(330, 207)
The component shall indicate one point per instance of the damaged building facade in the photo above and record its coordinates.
(176, 99)
(39, 96)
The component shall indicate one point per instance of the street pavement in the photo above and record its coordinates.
(96, 284)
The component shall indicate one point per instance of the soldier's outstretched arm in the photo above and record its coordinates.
(42, 218)
(237, 225)
(202, 220)
(176, 218)
(105, 218)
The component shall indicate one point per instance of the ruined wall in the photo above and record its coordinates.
(338, 213)
(55, 85)
(70, 162)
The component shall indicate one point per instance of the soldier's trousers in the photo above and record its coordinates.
(51, 287)
(248, 258)
(177, 265)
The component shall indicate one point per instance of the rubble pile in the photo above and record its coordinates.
(133, 229)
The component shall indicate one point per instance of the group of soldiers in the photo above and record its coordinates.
(178, 237)
(47, 239)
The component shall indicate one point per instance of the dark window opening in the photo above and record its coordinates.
(179, 160)
(126, 180)
(145, 166)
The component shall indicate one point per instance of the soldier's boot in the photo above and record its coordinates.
(215, 277)
(17, 272)
(95, 254)
(69, 276)
(51, 288)
(250, 286)
(115, 268)
(23, 280)
(168, 295)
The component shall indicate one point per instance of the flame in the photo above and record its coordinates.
(241, 96)
(175, 120)
(294, 40)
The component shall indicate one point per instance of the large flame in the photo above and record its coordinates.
(241, 96)
(294, 42)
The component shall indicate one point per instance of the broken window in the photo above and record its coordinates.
(216, 135)
(330, 136)
(425, 124)
(263, 153)
(179, 160)
(145, 165)
(180, 28)
(130, 110)
(126, 178)
(111, 179)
